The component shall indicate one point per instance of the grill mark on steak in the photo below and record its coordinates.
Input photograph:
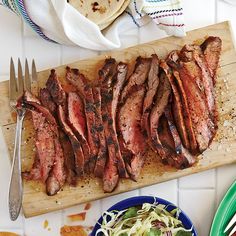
(161, 101)
(107, 76)
(85, 90)
(129, 120)
(138, 77)
(177, 107)
(79, 156)
(102, 153)
(172, 62)
(211, 48)
(77, 121)
(152, 86)
(47, 101)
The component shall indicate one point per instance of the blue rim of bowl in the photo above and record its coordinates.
(136, 201)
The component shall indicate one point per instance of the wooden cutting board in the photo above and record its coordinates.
(221, 152)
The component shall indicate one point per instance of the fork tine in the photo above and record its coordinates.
(27, 85)
(13, 85)
(34, 71)
(230, 224)
(20, 79)
(232, 231)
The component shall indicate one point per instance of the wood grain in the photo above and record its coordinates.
(221, 152)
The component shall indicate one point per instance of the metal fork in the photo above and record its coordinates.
(17, 86)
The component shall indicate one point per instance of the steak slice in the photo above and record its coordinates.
(192, 54)
(161, 101)
(185, 159)
(108, 76)
(77, 121)
(85, 91)
(56, 91)
(129, 120)
(180, 109)
(211, 48)
(47, 101)
(138, 77)
(79, 155)
(102, 153)
(44, 144)
(152, 85)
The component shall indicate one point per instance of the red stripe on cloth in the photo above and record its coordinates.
(177, 25)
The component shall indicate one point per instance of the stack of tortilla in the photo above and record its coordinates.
(101, 12)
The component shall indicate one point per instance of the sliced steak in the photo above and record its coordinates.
(193, 55)
(57, 175)
(47, 101)
(177, 106)
(44, 143)
(102, 153)
(69, 159)
(77, 121)
(79, 155)
(129, 120)
(138, 77)
(181, 112)
(211, 48)
(85, 90)
(161, 101)
(108, 76)
(56, 91)
(152, 85)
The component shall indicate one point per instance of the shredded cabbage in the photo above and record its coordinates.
(146, 220)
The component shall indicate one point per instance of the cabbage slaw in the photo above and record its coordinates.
(146, 220)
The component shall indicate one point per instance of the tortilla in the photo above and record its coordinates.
(98, 11)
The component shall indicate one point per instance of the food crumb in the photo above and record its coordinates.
(77, 217)
(67, 230)
(87, 206)
(45, 224)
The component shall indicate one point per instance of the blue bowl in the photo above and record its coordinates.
(137, 201)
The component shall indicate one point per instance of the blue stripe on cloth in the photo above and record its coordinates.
(136, 9)
(21, 7)
(163, 11)
(6, 3)
(135, 22)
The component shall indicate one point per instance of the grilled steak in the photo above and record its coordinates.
(47, 101)
(211, 50)
(77, 121)
(129, 120)
(56, 91)
(161, 101)
(138, 77)
(79, 155)
(181, 110)
(152, 85)
(85, 90)
(108, 76)
(102, 153)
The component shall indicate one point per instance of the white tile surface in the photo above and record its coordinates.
(167, 190)
(10, 38)
(199, 205)
(199, 13)
(204, 179)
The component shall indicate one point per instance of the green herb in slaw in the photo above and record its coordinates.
(146, 220)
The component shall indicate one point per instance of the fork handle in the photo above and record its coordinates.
(15, 189)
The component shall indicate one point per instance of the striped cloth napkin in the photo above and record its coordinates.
(57, 21)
